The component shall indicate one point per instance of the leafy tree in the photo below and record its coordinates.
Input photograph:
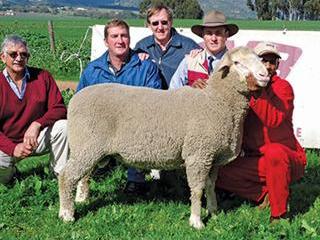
(285, 9)
(181, 8)
(262, 7)
(291, 9)
(312, 9)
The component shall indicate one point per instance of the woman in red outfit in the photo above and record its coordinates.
(272, 157)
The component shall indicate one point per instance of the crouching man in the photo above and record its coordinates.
(272, 157)
(32, 112)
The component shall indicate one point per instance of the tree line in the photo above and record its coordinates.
(286, 9)
(265, 9)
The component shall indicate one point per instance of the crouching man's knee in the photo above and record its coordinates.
(59, 130)
(276, 154)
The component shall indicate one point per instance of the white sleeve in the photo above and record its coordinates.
(180, 77)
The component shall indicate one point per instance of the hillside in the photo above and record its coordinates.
(232, 8)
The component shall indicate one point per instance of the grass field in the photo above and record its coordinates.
(29, 207)
(29, 210)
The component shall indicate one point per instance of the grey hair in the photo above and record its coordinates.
(14, 40)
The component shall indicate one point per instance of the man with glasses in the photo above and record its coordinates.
(32, 112)
(166, 47)
(271, 156)
(194, 69)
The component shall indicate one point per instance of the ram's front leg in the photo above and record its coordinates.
(196, 175)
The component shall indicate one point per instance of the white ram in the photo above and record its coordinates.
(147, 128)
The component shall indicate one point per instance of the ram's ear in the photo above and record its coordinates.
(224, 65)
(225, 62)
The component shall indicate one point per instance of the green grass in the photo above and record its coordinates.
(29, 210)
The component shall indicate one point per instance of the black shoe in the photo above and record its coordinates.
(276, 220)
(136, 188)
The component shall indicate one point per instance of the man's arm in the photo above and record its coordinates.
(180, 77)
(153, 79)
(83, 81)
(30, 137)
(22, 150)
(56, 109)
(274, 104)
(140, 47)
(6, 145)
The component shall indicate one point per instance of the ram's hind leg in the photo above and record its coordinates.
(67, 183)
(82, 192)
(77, 168)
(197, 173)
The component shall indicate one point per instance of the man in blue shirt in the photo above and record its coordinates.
(166, 47)
(121, 65)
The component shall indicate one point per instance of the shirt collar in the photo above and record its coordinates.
(9, 79)
(219, 55)
(175, 39)
(112, 68)
(132, 60)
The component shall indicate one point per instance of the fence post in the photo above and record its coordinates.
(51, 36)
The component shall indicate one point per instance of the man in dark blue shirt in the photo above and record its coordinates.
(166, 47)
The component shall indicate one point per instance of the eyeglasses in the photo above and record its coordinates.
(14, 55)
(156, 23)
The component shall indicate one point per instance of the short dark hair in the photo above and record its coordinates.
(157, 8)
(115, 23)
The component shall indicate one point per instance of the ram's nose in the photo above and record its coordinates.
(263, 79)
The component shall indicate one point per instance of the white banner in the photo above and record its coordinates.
(300, 51)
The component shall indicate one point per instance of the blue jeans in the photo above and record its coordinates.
(135, 175)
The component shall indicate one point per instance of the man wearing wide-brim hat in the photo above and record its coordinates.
(195, 70)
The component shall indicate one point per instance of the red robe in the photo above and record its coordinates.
(272, 158)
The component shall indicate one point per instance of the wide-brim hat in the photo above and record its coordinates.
(265, 48)
(214, 19)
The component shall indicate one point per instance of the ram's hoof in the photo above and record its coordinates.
(66, 216)
(196, 222)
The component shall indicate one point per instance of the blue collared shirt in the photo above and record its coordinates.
(134, 72)
(180, 77)
(13, 85)
(168, 60)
